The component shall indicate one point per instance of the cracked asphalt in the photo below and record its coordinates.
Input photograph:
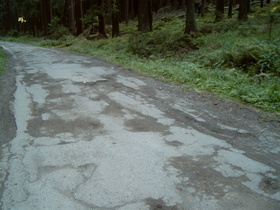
(78, 133)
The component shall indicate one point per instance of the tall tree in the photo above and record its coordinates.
(78, 17)
(190, 17)
(243, 10)
(262, 1)
(220, 5)
(101, 19)
(202, 8)
(126, 11)
(69, 13)
(115, 18)
(249, 5)
(230, 5)
(5, 15)
(145, 18)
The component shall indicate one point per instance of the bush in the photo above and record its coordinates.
(57, 30)
(252, 56)
(13, 33)
(160, 44)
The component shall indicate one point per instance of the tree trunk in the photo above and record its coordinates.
(44, 17)
(262, 3)
(249, 6)
(115, 19)
(145, 15)
(184, 4)
(6, 16)
(230, 5)
(69, 14)
(126, 11)
(202, 8)
(101, 20)
(79, 16)
(243, 10)
(190, 17)
(220, 5)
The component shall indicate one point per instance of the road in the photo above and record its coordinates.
(79, 133)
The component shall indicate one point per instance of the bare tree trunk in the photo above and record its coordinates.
(202, 8)
(79, 16)
(126, 11)
(72, 17)
(243, 11)
(44, 17)
(190, 17)
(230, 5)
(115, 19)
(220, 5)
(6, 16)
(262, 1)
(249, 6)
(145, 15)
(101, 20)
(184, 4)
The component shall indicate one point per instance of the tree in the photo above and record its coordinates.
(230, 5)
(262, 3)
(101, 19)
(69, 13)
(145, 18)
(220, 5)
(202, 8)
(126, 11)
(5, 15)
(243, 10)
(115, 18)
(78, 17)
(190, 17)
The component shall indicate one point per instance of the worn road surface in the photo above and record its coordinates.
(78, 133)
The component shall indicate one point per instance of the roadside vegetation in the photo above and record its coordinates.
(2, 61)
(232, 59)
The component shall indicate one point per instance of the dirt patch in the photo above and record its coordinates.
(159, 205)
(85, 128)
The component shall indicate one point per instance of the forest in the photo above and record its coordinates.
(228, 47)
(78, 15)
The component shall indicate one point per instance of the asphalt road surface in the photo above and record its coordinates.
(78, 133)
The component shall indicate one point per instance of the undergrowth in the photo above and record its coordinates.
(237, 60)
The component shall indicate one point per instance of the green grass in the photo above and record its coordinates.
(234, 60)
(2, 61)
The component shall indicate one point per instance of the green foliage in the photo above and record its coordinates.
(56, 29)
(2, 61)
(160, 44)
(13, 33)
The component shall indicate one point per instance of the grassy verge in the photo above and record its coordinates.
(232, 59)
(233, 83)
(2, 61)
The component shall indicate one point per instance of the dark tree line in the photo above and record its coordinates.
(76, 15)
